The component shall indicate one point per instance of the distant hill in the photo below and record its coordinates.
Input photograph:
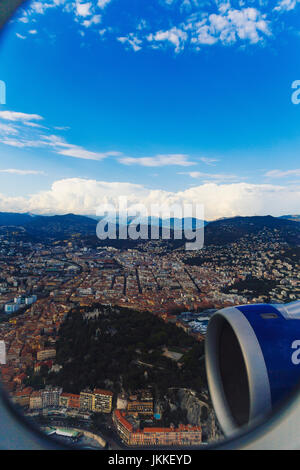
(61, 225)
(15, 219)
(224, 231)
(295, 218)
(190, 223)
(51, 226)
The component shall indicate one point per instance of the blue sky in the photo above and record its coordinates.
(168, 100)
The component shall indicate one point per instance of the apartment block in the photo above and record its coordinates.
(102, 401)
(46, 354)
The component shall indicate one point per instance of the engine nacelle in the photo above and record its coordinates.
(252, 360)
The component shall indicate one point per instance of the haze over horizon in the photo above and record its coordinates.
(178, 101)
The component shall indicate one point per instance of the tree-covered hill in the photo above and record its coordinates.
(125, 347)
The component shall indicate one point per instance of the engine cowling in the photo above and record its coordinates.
(252, 360)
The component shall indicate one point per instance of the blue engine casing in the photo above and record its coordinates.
(252, 360)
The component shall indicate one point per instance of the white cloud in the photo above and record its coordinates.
(209, 161)
(83, 9)
(40, 7)
(96, 19)
(102, 3)
(61, 128)
(198, 23)
(15, 171)
(24, 19)
(158, 160)
(62, 147)
(229, 25)
(16, 116)
(177, 37)
(132, 40)
(34, 124)
(13, 142)
(220, 177)
(226, 26)
(21, 143)
(286, 5)
(79, 152)
(8, 130)
(28, 135)
(282, 173)
(83, 196)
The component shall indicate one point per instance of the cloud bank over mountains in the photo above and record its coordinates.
(84, 196)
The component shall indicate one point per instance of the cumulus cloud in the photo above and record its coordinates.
(83, 196)
(228, 26)
(96, 19)
(176, 36)
(132, 41)
(191, 23)
(83, 9)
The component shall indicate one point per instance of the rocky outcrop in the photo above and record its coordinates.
(199, 413)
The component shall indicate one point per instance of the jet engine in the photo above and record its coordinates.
(252, 360)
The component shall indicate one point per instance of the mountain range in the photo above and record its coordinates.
(218, 232)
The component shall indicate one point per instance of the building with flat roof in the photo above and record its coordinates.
(22, 397)
(86, 400)
(69, 400)
(35, 402)
(183, 435)
(50, 396)
(140, 407)
(46, 354)
(102, 401)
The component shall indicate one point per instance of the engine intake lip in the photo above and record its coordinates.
(224, 325)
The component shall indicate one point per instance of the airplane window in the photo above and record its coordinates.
(149, 221)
